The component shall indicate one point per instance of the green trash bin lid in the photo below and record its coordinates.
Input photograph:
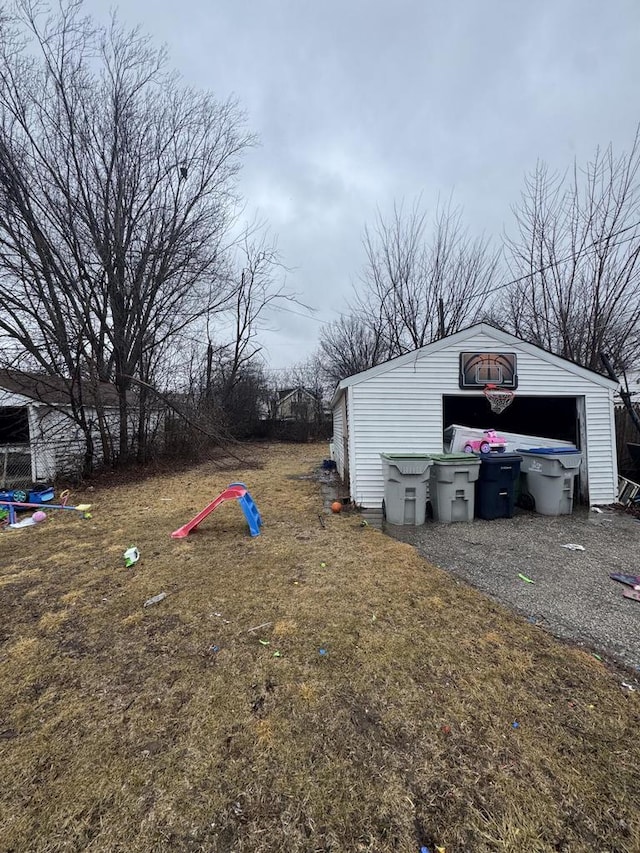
(408, 463)
(455, 458)
(396, 456)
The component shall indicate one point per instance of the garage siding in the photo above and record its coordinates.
(338, 437)
(601, 455)
(400, 410)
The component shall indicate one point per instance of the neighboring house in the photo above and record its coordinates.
(39, 440)
(405, 404)
(297, 404)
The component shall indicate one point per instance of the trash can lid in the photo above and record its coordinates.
(456, 458)
(396, 456)
(497, 458)
(549, 451)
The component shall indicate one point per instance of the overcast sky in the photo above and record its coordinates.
(360, 102)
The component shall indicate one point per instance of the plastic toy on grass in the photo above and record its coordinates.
(12, 502)
(235, 492)
(28, 505)
(490, 441)
(25, 522)
(37, 495)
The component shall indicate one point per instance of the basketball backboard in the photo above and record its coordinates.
(478, 369)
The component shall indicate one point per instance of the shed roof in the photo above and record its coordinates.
(53, 390)
(459, 337)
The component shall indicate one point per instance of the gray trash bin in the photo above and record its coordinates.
(452, 480)
(549, 476)
(405, 487)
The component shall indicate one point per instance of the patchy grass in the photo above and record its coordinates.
(124, 729)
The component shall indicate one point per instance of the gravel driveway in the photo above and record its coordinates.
(572, 594)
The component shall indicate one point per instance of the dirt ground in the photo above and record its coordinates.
(571, 594)
(319, 688)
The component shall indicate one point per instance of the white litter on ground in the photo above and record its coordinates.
(155, 600)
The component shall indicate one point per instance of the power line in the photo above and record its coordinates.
(503, 285)
(571, 257)
(297, 313)
(513, 281)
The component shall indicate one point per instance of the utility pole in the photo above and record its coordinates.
(440, 318)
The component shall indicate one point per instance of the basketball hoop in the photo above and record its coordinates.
(499, 398)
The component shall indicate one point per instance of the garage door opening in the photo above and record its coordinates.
(546, 417)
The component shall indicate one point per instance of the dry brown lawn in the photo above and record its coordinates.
(174, 728)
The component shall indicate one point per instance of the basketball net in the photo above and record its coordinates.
(499, 398)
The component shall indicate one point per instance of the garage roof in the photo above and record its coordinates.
(469, 332)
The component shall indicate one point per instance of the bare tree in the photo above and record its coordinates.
(420, 283)
(349, 345)
(117, 190)
(253, 290)
(576, 252)
(220, 374)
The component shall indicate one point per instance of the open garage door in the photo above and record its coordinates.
(549, 417)
(546, 417)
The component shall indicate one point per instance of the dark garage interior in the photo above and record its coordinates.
(548, 417)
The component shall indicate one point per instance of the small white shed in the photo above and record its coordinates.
(39, 439)
(405, 404)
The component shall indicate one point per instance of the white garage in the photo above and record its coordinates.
(405, 405)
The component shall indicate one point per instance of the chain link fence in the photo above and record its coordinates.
(15, 466)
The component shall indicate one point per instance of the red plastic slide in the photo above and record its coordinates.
(230, 494)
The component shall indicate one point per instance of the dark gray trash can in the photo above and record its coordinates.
(405, 487)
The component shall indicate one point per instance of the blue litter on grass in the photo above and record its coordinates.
(515, 725)
(322, 652)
